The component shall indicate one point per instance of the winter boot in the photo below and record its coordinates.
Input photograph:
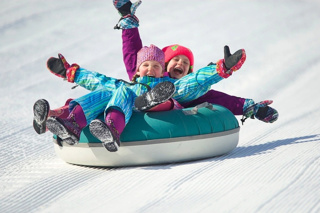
(107, 134)
(127, 10)
(41, 110)
(231, 62)
(68, 129)
(159, 94)
(61, 68)
(165, 106)
(170, 104)
(260, 110)
(61, 112)
(60, 127)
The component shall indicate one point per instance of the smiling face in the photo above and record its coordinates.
(150, 68)
(178, 66)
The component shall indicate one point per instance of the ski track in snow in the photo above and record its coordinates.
(275, 168)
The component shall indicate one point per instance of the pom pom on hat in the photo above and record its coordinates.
(152, 53)
(176, 49)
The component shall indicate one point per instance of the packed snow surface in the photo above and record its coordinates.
(275, 168)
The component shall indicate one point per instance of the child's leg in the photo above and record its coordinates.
(109, 132)
(233, 103)
(115, 119)
(61, 112)
(41, 112)
(118, 112)
(165, 106)
(83, 110)
(68, 129)
(131, 44)
(170, 104)
(93, 103)
(239, 106)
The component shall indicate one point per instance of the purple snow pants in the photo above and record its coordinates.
(131, 44)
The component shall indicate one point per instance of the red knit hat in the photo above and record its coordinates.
(176, 49)
(152, 53)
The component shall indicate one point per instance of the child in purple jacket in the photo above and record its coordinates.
(179, 62)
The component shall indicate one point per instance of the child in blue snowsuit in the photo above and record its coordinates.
(116, 98)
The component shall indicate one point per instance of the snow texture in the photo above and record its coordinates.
(275, 168)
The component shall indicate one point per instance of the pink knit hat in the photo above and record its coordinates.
(152, 53)
(176, 49)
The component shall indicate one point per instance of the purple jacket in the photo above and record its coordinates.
(131, 44)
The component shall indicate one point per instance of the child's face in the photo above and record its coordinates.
(178, 66)
(150, 68)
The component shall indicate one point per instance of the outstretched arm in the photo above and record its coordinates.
(131, 44)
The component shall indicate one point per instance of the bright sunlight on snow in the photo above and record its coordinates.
(275, 167)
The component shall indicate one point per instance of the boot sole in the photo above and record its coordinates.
(57, 128)
(101, 131)
(40, 113)
(159, 94)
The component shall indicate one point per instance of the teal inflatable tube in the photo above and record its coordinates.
(160, 137)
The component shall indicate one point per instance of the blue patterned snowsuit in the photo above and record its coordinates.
(109, 92)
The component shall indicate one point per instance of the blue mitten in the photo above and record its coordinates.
(127, 23)
(127, 10)
(125, 7)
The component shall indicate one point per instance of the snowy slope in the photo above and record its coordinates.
(275, 168)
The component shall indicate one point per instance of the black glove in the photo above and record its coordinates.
(57, 67)
(231, 60)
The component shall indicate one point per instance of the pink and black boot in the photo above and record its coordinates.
(109, 132)
(41, 112)
(155, 96)
(68, 129)
(170, 104)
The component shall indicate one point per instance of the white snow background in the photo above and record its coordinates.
(275, 168)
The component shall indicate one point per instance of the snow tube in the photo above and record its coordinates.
(151, 138)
